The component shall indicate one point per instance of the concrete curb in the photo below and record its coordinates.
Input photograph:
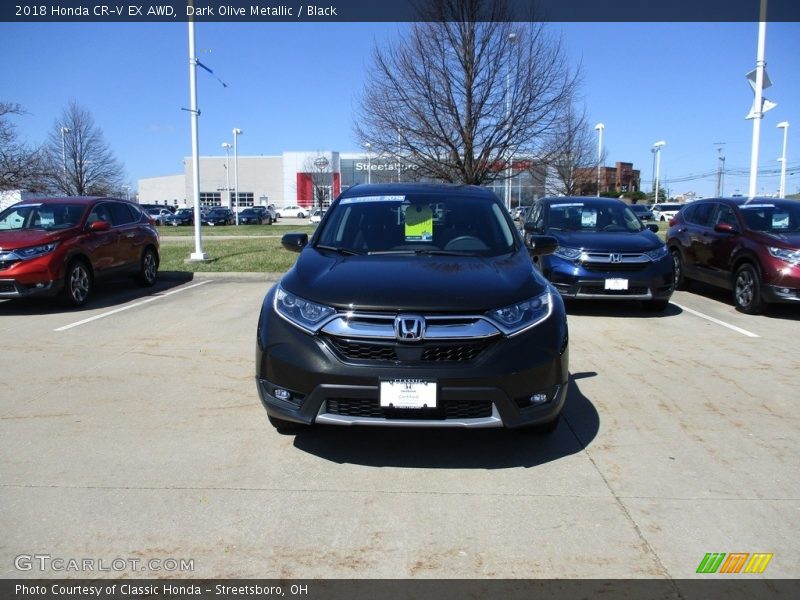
(225, 276)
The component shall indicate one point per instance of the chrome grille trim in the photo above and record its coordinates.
(437, 327)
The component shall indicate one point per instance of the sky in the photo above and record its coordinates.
(294, 87)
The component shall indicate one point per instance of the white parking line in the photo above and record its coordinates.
(718, 322)
(134, 305)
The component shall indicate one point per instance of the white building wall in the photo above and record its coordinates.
(170, 190)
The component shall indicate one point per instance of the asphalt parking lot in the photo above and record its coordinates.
(132, 430)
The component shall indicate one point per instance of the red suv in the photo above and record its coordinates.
(751, 247)
(62, 245)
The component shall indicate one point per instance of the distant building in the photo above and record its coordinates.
(9, 197)
(618, 179)
(304, 178)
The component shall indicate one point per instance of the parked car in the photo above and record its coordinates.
(218, 216)
(63, 246)
(250, 216)
(316, 216)
(664, 211)
(604, 251)
(183, 216)
(413, 305)
(292, 210)
(750, 247)
(643, 212)
(268, 214)
(159, 215)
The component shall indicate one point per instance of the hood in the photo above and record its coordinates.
(788, 239)
(414, 283)
(25, 238)
(608, 241)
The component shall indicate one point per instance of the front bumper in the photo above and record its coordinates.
(493, 388)
(11, 288)
(573, 280)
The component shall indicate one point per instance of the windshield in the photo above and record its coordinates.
(48, 217)
(581, 216)
(772, 217)
(417, 224)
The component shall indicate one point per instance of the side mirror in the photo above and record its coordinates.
(294, 242)
(725, 228)
(652, 227)
(541, 245)
(531, 228)
(99, 226)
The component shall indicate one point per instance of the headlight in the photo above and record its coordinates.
(657, 254)
(517, 318)
(787, 254)
(568, 253)
(305, 314)
(35, 251)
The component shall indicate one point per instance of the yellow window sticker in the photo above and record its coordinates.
(419, 223)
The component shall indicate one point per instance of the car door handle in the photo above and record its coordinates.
(130, 236)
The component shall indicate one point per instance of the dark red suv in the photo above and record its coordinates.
(62, 245)
(751, 247)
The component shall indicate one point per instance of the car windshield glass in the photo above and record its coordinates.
(48, 217)
(418, 224)
(772, 217)
(582, 216)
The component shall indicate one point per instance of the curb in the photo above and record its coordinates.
(224, 276)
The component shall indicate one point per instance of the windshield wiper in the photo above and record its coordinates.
(346, 251)
(423, 252)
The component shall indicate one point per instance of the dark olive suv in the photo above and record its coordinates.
(413, 305)
(751, 247)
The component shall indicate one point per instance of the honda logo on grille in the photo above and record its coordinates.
(616, 258)
(409, 328)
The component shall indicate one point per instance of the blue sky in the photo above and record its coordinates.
(293, 86)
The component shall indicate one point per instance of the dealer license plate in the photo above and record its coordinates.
(616, 284)
(408, 393)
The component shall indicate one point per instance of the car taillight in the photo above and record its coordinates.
(672, 221)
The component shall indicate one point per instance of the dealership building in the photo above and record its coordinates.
(305, 178)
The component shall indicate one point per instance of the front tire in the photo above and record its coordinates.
(747, 290)
(148, 271)
(77, 283)
(284, 426)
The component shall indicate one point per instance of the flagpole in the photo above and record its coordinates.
(758, 109)
(198, 253)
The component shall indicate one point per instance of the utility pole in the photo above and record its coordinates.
(720, 191)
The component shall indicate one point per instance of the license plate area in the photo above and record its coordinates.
(414, 394)
(616, 284)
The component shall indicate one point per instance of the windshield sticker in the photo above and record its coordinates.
(749, 206)
(780, 221)
(565, 205)
(419, 223)
(372, 199)
(589, 218)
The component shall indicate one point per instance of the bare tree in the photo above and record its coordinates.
(321, 179)
(21, 166)
(80, 161)
(464, 91)
(572, 159)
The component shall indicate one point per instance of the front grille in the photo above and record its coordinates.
(7, 288)
(600, 291)
(450, 409)
(374, 350)
(614, 267)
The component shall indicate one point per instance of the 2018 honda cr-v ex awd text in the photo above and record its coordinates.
(414, 305)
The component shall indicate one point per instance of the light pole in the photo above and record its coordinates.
(236, 133)
(785, 126)
(657, 149)
(227, 147)
(599, 127)
(510, 171)
(367, 145)
(64, 131)
(198, 253)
